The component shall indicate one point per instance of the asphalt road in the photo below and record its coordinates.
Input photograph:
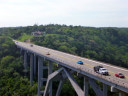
(72, 61)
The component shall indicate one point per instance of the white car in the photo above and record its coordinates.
(103, 71)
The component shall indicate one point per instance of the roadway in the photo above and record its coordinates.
(72, 61)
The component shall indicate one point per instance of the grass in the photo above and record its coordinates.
(25, 37)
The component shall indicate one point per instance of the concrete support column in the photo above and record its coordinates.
(49, 72)
(86, 84)
(95, 87)
(34, 65)
(59, 87)
(122, 94)
(21, 50)
(51, 77)
(105, 89)
(113, 89)
(25, 62)
(40, 74)
(31, 69)
(75, 85)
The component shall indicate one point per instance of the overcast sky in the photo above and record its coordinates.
(95, 13)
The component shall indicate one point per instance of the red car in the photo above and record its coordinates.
(119, 75)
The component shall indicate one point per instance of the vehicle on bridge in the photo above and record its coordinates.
(120, 75)
(31, 45)
(80, 62)
(47, 53)
(101, 70)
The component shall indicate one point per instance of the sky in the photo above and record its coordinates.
(93, 13)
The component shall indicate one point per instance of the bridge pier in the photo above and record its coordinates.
(105, 89)
(21, 50)
(95, 87)
(113, 89)
(34, 65)
(25, 62)
(122, 94)
(86, 85)
(40, 74)
(49, 72)
(59, 87)
(31, 69)
(41, 78)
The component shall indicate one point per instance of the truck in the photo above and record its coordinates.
(101, 70)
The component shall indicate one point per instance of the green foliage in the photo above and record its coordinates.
(25, 37)
(12, 82)
(5, 61)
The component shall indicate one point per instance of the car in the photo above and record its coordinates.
(96, 68)
(31, 45)
(120, 75)
(80, 62)
(47, 53)
(101, 70)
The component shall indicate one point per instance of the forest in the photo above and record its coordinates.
(106, 44)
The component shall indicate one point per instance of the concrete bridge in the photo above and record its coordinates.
(67, 65)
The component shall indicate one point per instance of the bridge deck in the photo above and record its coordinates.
(71, 61)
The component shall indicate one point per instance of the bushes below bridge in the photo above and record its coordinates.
(12, 80)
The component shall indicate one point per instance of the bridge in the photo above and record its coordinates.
(67, 65)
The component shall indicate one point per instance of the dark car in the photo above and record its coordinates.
(119, 75)
(31, 45)
(96, 68)
(80, 62)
